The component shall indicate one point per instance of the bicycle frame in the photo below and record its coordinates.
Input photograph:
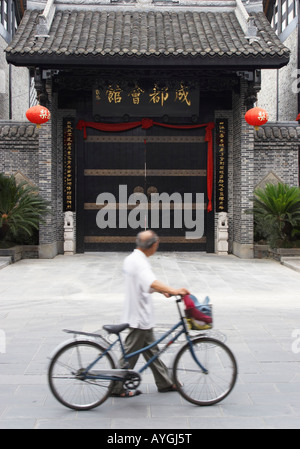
(159, 353)
(184, 330)
(82, 387)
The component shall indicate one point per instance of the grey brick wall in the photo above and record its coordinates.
(19, 149)
(277, 151)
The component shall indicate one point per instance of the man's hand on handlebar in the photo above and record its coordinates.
(168, 291)
(178, 292)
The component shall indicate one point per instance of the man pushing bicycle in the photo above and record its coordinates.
(138, 311)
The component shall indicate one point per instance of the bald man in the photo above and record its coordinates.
(140, 282)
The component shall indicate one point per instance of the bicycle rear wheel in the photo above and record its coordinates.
(67, 379)
(210, 387)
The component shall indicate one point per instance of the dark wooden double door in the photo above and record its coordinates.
(161, 161)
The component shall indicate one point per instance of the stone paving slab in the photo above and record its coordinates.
(256, 311)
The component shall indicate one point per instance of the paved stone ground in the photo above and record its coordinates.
(292, 262)
(256, 308)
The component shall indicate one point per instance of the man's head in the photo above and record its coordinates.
(147, 242)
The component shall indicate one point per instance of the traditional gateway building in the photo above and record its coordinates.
(149, 97)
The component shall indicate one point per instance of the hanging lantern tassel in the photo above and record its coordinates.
(38, 115)
(256, 117)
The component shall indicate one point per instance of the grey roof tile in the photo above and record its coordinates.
(190, 33)
(288, 131)
(17, 130)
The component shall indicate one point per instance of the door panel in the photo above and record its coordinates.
(158, 161)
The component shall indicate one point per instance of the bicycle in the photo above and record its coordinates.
(83, 371)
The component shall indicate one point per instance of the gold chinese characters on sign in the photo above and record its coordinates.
(68, 165)
(222, 169)
(156, 95)
(114, 94)
(182, 95)
(159, 95)
(147, 98)
(135, 94)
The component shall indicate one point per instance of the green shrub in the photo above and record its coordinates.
(21, 210)
(276, 212)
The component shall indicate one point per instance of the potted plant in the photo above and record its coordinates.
(21, 210)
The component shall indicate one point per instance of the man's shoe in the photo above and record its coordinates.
(126, 394)
(168, 389)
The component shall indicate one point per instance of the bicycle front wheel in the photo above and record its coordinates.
(212, 384)
(67, 375)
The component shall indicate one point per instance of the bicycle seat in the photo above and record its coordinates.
(115, 328)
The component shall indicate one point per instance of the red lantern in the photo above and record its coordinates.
(38, 115)
(256, 117)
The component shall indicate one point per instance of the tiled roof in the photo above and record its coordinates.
(17, 130)
(97, 35)
(287, 131)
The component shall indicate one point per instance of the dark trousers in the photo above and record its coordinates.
(138, 339)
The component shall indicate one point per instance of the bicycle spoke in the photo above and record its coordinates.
(205, 388)
(67, 376)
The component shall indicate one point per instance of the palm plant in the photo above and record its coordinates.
(277, 213)
(21, 208)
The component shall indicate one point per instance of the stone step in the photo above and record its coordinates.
(4, 262)
(291, 262)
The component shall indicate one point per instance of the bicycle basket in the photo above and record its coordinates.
(199, 316)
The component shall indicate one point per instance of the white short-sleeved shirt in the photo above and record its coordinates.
(138, 306)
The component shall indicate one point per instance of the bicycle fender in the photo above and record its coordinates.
(195, 337)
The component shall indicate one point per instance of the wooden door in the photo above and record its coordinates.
(160, 161)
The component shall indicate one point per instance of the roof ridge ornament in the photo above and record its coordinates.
(45, 19)
(246, 21)
(252, 30)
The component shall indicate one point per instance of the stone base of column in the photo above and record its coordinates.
(50, 250)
